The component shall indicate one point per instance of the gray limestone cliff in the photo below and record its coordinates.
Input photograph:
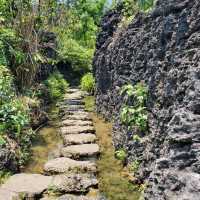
(163, 50)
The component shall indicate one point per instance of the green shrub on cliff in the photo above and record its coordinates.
(134, 113)
(146, 4)
(88, 83)
(56, 86)
(121, 154)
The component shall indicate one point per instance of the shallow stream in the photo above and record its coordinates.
(112, 182)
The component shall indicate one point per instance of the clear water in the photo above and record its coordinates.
(45, 145)
(113, 181)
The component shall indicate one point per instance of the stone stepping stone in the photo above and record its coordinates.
(76, 129)
(78, 113)
(78, 151)
(78, 183)
(67, 108)
(77, 116)
(73, 102)
(69, 122)
(74, 197)
(27, 185)
(9, 195)
(63, 165)
(75, 95)
(72, 90)
(72, 139)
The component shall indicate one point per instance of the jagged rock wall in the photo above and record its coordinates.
(47, 45)
(162, 49)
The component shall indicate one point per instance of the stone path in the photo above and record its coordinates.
(74, 173)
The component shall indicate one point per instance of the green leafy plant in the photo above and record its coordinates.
(145, 4)
(136, 138)
(56, 86)
(134, 166)
(14, 117)
(4, 175)
(121, 154)
(88, 83)
(136, 113)
(53, 190)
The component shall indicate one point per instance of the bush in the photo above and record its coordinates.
(14, 118)
(56, 85)
(79, 56)
(88, 83)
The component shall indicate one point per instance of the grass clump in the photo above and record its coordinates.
(89, 103)
(88, 83)
(56, 86)
(4, 175)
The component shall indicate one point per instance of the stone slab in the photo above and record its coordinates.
(76, 129)
(73, 139)
(69, 122)
(64, 165)
(78, 183)
(77, 151)
(31, 185)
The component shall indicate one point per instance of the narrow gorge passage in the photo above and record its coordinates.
(71, 175)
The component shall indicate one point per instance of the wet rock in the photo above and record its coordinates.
(8, 160)
(72, 90)
(73, 197)
(74, 183)
(72, 139)
(69, 122)
(72, 108)
(77, 151)
(28, 185)
(73, 102)
(84, 116)
(9, 195)
(64, 165)
(78, 95)
(76, 129)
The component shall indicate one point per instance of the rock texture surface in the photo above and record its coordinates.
(162, 49)
(74, 183)
(76, 129)
(69, 122)
(25, 185)
(65, 165)
(79, 139)
(78, 151)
